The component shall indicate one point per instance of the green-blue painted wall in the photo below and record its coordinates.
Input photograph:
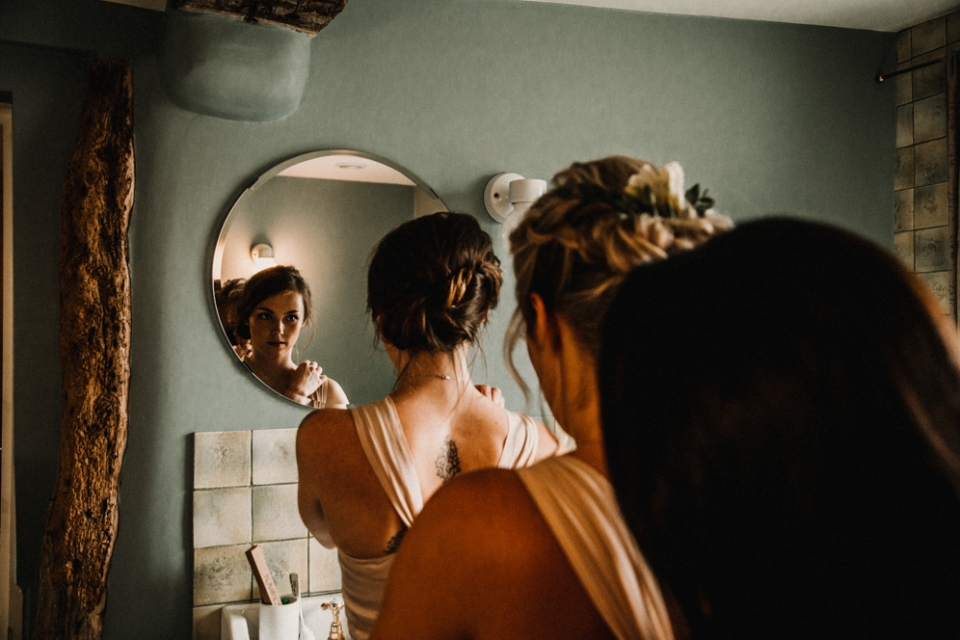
(770, 117)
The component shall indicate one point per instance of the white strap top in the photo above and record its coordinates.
(578, 504)
(318, 399)
(381, 436)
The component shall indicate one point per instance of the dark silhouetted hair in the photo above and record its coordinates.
(432, 282)
(781, 413)
(268, 283)
(228, 295)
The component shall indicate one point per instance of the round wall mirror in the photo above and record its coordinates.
(321, 213)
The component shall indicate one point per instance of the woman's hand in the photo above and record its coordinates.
(492, 393)
(304, 381)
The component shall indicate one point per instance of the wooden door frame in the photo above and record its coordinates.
(10, 617)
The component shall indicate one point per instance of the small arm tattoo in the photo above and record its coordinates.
(448, 461)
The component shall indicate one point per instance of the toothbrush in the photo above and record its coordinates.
(305, 633)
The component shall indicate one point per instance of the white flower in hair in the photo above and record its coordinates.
(674, 179)
(662, 187)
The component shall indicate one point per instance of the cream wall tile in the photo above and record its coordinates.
(904, 88)
(206, 622)
(221, 574)
(221, 459)
(939, 285)
(932, 249)
(284, 558)
(904, 173)
(905, 125)
(903, 248)
(324, 568)
(929, 118)
(931, 162)
(929, 35)
(904, 46)
(953, 27)
(903, 212)
(930, 206)
(275, 513)
(929, 80)
(221, 517)
(274, 456)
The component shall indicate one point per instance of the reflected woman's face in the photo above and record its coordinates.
(275, 324)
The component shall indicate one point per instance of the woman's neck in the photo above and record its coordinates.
(576, 401)
(419, 369)
(273, 371)
(581, 419)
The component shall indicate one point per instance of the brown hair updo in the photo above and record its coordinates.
(266, 284)
(432, 282)
(578, 242)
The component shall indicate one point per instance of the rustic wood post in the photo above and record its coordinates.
(305, 16)
(95, 357)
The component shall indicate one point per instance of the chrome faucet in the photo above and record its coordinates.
(336, 630)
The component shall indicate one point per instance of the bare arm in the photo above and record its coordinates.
(308, 501)
(336, 398)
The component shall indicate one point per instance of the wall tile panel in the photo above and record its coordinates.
(939, 284)
(220, 575)
(903, 248)
(932, 249)
(930, 206)
(930, 163)
(929, 118)
(928, 36)
(903, 210)
(931, 80)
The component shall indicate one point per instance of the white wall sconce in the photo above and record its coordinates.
(508, 196)
(262, 256)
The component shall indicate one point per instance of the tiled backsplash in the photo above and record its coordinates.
(245, 493)
(921, 212)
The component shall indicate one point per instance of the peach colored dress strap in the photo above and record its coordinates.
(578, 504)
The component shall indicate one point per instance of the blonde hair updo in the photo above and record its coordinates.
(578, 242)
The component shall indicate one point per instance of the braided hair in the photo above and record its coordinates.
(578, 242)
(431, 283)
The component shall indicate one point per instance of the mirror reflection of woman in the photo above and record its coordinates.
(275, 306)
(366, 473)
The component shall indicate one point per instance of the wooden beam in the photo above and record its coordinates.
(305, 16)
(95, 358)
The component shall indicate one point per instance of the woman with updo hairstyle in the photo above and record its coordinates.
(784, 437)
(366, 473)
(542, 552)
(274, 307)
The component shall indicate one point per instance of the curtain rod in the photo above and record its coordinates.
(883, 76)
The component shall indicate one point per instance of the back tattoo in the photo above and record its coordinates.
(448, 461)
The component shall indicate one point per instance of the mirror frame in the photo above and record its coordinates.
(216, 263)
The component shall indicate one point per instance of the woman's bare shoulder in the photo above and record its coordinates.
(479, 546)
(480, 515)
(324, 427)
